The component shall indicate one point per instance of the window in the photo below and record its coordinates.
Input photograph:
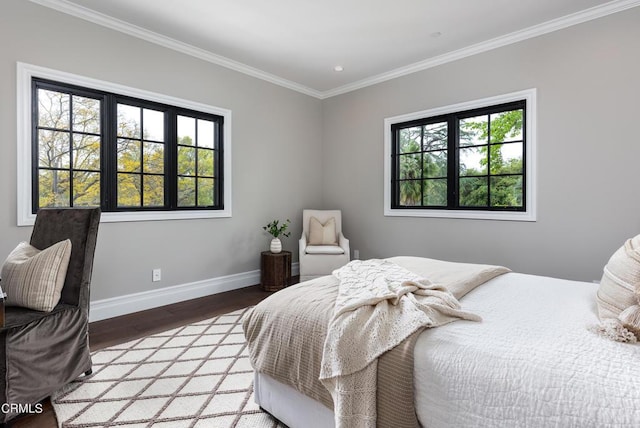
(140, 157)
(472, 160)
(67, 143)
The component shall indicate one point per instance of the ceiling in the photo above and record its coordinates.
(297, 43)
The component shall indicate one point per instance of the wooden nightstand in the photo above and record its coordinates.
(275, 270)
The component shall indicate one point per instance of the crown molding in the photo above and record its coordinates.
(508, 39)
(595, 12)
(82, 12)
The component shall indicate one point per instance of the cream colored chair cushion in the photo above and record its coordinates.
(324, 249)
(33, 278)
(322, 234)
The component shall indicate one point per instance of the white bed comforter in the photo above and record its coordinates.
(530, 363)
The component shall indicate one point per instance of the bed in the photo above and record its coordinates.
(531, 362)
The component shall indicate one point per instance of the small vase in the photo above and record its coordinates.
(276, 245)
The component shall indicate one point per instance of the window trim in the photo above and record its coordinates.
(25, 73)
(529, 214)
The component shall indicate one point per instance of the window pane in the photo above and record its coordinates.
(153, 125)
(205, 133)
(153, 154)
(506, 158)
(457, 168)
(435, 136)
(186, 161)
(473, 161)
(506, 126)
(114, 150)
(186, 192)
(410, 166)
(435, 192)
(205, 162)
(186, 130)
(128, 121)
(86, 189)
(128, 190)
(435, 164)
(153, 190)
(410, 193)
(53, 149)
(473, 192)
(474, 131)
(128, 156)
(410, 140)
(86, 152)
(53, 109)
(506, 191)
(205, 192)
(86, 115)
(54, 188)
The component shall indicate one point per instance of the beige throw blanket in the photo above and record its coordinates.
(391, 303)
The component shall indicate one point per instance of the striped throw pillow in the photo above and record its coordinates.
(619, 292)
(33, 278)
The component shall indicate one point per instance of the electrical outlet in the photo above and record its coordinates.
(356, 254)
(157, 275)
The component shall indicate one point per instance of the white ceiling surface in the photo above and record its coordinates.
(296, 43)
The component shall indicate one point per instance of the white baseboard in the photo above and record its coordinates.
(130, 303)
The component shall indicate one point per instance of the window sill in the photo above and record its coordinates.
(473, 215)
(118, 217)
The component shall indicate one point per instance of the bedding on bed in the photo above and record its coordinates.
(379, 305)
(530, 363)
(286, 335)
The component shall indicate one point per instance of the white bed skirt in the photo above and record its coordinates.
(289, 406)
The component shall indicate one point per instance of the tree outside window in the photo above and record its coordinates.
(469, 160)
(122, 154)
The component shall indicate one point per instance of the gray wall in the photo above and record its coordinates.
(588, 84)
(274, 131)
(291, 151)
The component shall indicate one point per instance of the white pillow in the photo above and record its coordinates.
(619, 292)
(322, 234)
(33, 278)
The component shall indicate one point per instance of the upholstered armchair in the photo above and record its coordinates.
(42, 351)
(321, 258)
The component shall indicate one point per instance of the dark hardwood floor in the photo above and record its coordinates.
(113, 331)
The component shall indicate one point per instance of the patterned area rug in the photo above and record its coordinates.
(193, 376)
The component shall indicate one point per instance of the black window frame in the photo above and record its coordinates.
(453, 155)
(108, 149)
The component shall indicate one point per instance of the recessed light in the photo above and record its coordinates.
(338, 68)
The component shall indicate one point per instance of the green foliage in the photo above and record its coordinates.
(195, 165)
(140, 163)
(486, 148)
(275, 228)
(54, 150)
(504, 190)
(414, 166)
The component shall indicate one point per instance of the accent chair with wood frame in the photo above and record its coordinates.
(42, 351)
